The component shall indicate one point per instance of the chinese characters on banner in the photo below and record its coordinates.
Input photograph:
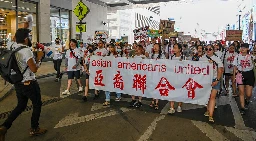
(172, 80)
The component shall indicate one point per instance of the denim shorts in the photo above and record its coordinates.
(216, 87)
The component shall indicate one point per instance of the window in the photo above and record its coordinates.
(13, 16)
(60, 27)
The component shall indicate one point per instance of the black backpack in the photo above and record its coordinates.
(9, 69)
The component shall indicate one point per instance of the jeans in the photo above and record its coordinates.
(23, 93)
(57, 64)
(107, 93)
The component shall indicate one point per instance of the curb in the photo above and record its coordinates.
(12, 87)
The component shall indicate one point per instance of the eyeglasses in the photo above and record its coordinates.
(99, 43)
(210, 49)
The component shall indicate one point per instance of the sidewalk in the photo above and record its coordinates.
(45, 69)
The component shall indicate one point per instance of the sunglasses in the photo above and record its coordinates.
(210, 49)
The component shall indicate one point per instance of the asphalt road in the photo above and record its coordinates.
(69, 118)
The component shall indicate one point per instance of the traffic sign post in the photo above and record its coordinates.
(81, 10)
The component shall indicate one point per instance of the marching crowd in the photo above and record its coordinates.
(233, 63)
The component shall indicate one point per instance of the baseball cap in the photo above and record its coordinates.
(245, 45)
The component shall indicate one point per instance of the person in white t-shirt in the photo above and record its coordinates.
(139, 54)
(228, 59)
(149, 47)
(243, 66)
(217, 50)
(177, 50)
(73, 59)
(156, 54)
(169, 48)
(28, 88)
(86, 70)
(113, 53)
(57, 58)
(217, 73)
(100, 51)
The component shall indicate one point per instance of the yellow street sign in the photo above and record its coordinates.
(81, 28)
(81, 10)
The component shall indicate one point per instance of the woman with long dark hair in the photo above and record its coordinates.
(156, 54)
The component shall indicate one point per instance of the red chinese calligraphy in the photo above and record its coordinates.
(164, 87)
(139, 82)
(71, 55)
(99, 78)
(99, 54)
(245, 63)
(118, 81)
(230, 59)
(191, 86)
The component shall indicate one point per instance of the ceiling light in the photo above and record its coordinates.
(13, 6)
(2, 9)
(1, 0)
(117, 0)
(19, 16)
(6, 1)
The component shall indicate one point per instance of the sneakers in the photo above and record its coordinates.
(118, 99)
(38, 131)
(246, 104)
(242, 111)
(66, 92)
(84, 98)
(179, 110)
(3, 132)
(80, 89)
(57, 80)
(206, 114)
(61, 74)
(132, 103)
(106, 103)
(171, 111)
(138, 104)
(96, 96)
(211, 119)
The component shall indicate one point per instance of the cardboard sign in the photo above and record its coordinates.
(234, 35)
(166, 26)
(194, 39)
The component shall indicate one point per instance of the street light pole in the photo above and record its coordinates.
(239, 20)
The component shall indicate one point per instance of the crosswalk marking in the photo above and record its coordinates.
(151, 128)
(210, 132)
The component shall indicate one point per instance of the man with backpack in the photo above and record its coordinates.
(24, 81)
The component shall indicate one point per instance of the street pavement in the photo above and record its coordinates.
(69, 118)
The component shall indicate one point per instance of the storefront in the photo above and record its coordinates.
(13, 15)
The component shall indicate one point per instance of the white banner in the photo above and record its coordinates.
(180, 81)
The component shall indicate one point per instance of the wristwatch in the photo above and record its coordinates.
(217, 79)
